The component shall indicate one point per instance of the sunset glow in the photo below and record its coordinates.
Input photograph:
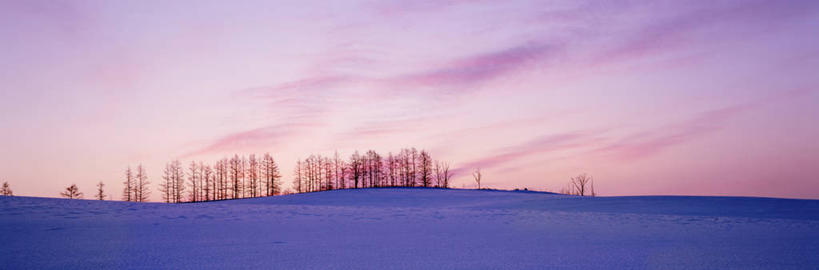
(652, 98)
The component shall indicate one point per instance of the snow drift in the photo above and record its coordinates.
(413, 228)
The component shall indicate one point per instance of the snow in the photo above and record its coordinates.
(413, 228)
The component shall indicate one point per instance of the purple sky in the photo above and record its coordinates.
(649, 97)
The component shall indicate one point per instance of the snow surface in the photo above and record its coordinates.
(413, 228)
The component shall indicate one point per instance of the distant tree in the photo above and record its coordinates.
(442, 174)
(127, 190)
(235, 175)
(178, 181)
(328, 174)
(141, 190)
(356, 168)
(413, 159)
(166, 186)
(338, 171)
(425, 172)
(581, 185)
(221, 179)
(271, 175)
(207, 174)
(200, 193)
(100, 192)
(72, 192)
(391, 170)
(6, 190)
(243, 176)
(297, 179)
(477, 176)
(193, 177)
(252, 172)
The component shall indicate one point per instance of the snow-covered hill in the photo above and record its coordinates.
(413, 228)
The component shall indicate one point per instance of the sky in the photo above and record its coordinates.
(648, 97)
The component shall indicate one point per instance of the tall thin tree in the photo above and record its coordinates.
(128, 185)
(141, 191)
(100, 192)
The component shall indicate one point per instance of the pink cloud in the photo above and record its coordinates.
(259, 137)
(644, 144)
(538, 145)
(480, 68)
(690, 26)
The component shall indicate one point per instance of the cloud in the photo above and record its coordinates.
(681, 24)
(259, 137)
(647, 143)
(540, 145)
(479, 68)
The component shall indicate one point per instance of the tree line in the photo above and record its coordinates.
(408, 168)
(229, 178)
(249, 176)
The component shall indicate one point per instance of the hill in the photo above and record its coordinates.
(413, 228)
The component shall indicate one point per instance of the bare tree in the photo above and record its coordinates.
(356, 168)
(297, 179)
(193, 178)
(235, 174)
(581, 185)
(127, 191)
(477, 176)
(100, 192)
(221, 179)
(72, 192)
(425, 162)
(442, 174)
(271, 175)
(141, 191)
(207, 174)
(6, 190)
(338, 166)
(253, 176)
(178, 180)
(166, 187)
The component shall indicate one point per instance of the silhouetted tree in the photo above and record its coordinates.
(207, 174)
(253, 176)
(477, 176)
(167, 186)
(72, 192)
(178, 181)
(6, 190)
(442, 174)
(141, 191)
(338, 168)
(221, 179)
(355, 168)
(297, 179)
(581, 185)
(100, 192)
(235, 174)
(271, 175)
(425, 172)
(127, 190)
(193, 178)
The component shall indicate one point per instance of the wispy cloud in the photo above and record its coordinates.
(540, 145)
(267, 136)
(647, 143)
(479, 68)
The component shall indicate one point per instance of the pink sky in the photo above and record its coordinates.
(649, 97)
